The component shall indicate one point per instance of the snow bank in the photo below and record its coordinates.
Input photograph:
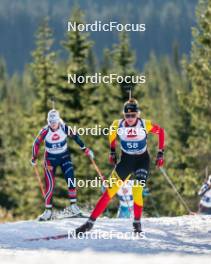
(91, 257)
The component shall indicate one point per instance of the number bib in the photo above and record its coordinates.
(55, 141)
(133, 140)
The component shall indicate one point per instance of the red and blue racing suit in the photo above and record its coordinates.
(57, 154)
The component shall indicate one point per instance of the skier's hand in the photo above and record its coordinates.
(33, 162)
(160, 159)
(89, 153)
(112, 158)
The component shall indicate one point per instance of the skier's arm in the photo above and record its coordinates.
(156, 129)
(205, 187)
(74, 136)
(113, 135)
(38, 140)
(113, 141)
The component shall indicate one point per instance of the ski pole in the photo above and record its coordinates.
(39, 180)
(97, 170)
(174, 188)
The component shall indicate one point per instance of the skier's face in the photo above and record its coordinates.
(54, 125)
(131, 118)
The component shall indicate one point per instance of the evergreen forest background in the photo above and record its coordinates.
(37, 52)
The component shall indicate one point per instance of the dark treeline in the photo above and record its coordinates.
(176, 95)
(167, 22)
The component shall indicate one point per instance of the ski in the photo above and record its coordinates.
(59, 216)
(69, 235)
(54, 237)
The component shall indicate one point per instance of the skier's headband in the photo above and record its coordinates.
(131, 106)
(131, 109)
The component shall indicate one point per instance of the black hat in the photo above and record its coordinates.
(131, 106)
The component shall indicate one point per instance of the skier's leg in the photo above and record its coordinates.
(115, 183)
(49, 182)
(137, 190)
(67, 169)
(141, 175)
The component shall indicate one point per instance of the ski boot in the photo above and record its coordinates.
(70, 211)
(85, 227)
(137, 227)
(46, 215)
(75, 209)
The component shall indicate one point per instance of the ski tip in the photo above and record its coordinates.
(55, 237)
(31, 239)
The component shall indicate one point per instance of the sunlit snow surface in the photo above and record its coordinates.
(167, 239)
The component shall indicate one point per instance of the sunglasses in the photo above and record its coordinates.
(53, 123)
(130, 115)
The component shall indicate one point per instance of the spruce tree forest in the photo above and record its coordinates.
(176, 95)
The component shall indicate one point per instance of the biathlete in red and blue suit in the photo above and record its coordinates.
(54, 135)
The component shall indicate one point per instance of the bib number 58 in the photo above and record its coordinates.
(132, 145)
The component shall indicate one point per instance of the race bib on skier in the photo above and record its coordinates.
(55, 141)
(133, 140)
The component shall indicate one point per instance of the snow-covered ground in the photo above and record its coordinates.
(167, 240)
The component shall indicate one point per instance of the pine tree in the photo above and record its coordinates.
(196, 105)
(43, 69)
(15, 177)
(3, 79)
(123, 63)
(41, 82)
(77, 46)
(3, 92)
(199, 70)
(163, 90)
(78, 103)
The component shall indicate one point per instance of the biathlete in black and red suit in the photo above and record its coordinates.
(132, 132)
